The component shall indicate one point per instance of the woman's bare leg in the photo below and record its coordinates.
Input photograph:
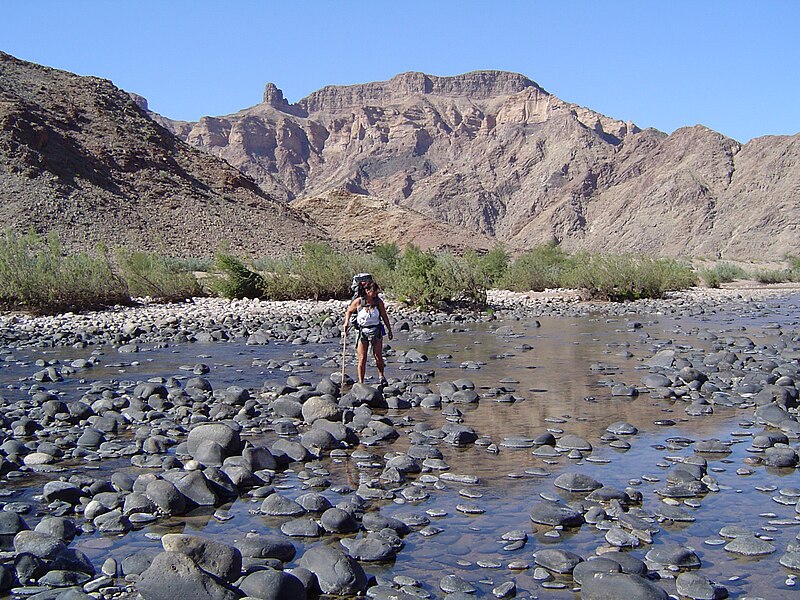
(361, 353)
(377, 352)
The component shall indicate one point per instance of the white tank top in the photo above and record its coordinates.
(368, 316)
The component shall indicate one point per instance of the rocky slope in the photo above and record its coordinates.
(365, 221)
(493, 153)
(79, 158)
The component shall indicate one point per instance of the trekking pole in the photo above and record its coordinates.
(344, 357)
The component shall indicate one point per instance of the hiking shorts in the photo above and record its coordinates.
(369, 334)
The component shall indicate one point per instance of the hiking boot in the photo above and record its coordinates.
(383, 382)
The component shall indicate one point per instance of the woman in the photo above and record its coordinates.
(370, 311)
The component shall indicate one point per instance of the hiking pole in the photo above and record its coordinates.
(344, 357)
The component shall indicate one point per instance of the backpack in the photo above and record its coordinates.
(358, 281)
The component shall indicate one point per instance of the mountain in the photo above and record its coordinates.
(80, 158)
(493, 153)
(366, 221)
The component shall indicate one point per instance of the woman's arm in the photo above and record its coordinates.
(385, 317)
(350, 310)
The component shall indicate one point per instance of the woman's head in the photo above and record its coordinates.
(370, 286)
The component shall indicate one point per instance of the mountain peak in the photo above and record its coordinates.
(475, 85)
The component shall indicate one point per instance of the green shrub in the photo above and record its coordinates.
(628, 277)
(388, 254)
(157, 276)
(236, 280)
(729, 272)
(771, 276)
(493, 265)
(543, 267)
(711, 278)
(35, 275)
(441, 280)
(416, 278)
(794, 267)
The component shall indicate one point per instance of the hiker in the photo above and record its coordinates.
(370, 311)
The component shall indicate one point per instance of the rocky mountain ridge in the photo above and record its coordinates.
(463, 162)
(80, 159)
(493, 153)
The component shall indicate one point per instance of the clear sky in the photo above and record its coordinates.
(730, 65)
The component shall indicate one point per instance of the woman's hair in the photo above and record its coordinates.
(369, 285)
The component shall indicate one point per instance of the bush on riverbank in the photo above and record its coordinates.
(628, 277)
(723, 272)
(157, 276)
(36, 276)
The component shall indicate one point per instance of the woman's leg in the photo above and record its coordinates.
(361, 353)
(377, 352)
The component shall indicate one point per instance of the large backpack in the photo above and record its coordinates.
(356, 286)
(358, 282)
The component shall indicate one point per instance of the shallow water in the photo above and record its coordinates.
(564, 385)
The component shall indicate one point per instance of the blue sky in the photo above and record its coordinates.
(731, 66)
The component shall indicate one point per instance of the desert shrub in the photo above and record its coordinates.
(543, 267)
(723, 272)
(235, 279)
(493, 265)
(729, 272)
(710, 277)
(794, 267)
(388, 254)
(157, 276)
(771, 275)
(323, 273)
(440, 280)
(629, 277)
(35, 275)
(417, 278)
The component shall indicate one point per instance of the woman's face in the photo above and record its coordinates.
(371, 291)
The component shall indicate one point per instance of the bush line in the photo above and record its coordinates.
(37, 276)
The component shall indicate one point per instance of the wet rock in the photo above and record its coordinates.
(216, 558)
(59, 527)
(698, 587)
(369, 549)
(587, 568)
(672, 555)
(173, 575)
(781, 457)
(791, 560)
(336, 520)
(336, 572)
(452, 584)
(41, 545)
(556, 560)
(166, 497)
(549, 513)
(302, 527)
(62, 490)
(604, 586)
(270, 584)
(277, 505)
(262, 546)
(576, 482)
(749, 545)
(573, 442)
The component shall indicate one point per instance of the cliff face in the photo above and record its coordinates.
(493, 153)
(81, 158)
